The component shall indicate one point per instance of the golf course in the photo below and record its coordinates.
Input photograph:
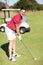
(33, 40)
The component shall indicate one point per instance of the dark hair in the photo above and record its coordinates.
(22, 8)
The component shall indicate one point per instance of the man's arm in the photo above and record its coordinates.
(17, 29)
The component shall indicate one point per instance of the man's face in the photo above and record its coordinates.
(22, 12)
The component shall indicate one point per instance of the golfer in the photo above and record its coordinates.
(11, 27)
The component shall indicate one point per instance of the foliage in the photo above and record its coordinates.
(28, 4)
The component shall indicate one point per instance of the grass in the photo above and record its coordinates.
(33, 40)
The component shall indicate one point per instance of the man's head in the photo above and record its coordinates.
(22, 10)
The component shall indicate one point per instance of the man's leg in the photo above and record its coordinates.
(9, 34)
(14, 49)
(10, 51)
(10, 48)
(14, 45)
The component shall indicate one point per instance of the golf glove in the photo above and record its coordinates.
(19, 37)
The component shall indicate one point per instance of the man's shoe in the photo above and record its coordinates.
(12, 59)
(16, 54)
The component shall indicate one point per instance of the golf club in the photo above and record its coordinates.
(34, 58)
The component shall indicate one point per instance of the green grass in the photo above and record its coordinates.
(33, 40)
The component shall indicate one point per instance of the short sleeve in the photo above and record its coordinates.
(17, 19)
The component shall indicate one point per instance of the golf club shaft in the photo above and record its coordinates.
(27, 49)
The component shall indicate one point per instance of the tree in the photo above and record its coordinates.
(28, 4)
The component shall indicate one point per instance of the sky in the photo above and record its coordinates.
(40, 1)
(11, 2)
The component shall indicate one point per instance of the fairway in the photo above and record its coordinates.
(33, 41)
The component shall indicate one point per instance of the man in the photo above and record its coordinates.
(11, 27)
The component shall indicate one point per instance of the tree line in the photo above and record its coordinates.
(28, 4)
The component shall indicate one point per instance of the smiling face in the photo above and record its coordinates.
(22, 12)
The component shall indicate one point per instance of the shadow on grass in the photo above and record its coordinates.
(5, 48)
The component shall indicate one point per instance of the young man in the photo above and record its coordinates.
(11, 27)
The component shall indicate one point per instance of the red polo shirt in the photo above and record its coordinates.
(15, 20)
